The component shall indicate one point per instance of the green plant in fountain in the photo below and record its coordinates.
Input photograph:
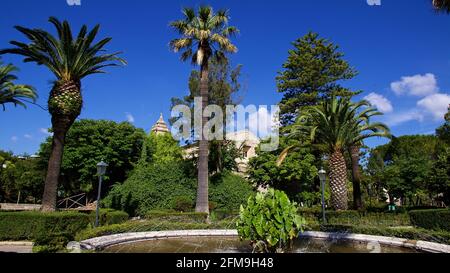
(270, 221)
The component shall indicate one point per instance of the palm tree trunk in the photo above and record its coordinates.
(54, 167)
(338, 181)
(202, 204)
(65, 104)
(356, 175)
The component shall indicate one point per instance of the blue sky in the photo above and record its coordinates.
(401, 49)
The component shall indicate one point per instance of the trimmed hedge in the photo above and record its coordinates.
(353, 217)
(15, 226)
(51, 231)
(110, 217)
(438, 219)
(187, 217)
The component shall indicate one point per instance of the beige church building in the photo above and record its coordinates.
(245, 140)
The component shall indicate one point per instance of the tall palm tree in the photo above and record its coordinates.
(203, 35)
(363, 129)
(70, 59)
(338, 124)
(10, 92)
(442, 5)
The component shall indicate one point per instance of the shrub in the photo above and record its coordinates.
(16, 226)
(438, 219)
(151, 187)
(190, 217)
(270, 221)
(229, 191)
(110, 217)
(182, 203)
(51, 232)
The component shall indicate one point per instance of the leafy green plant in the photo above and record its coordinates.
(182, 203)
(270, 221)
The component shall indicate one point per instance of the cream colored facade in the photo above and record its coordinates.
(245, 140)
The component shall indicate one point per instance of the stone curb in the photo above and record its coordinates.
(16, 244)
(106, 241)
(387, 241)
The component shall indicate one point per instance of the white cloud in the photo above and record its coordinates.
(436, 105)
(399, 118)
(382, 103)
(130, 117)
(417, 85)
(45, 132)
(14, 139)
(28, 136)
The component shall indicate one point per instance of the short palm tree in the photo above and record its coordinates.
(442, 5)
(338, 124)
(204, 35)
(363, 129)
(70, 59)
(10, 92)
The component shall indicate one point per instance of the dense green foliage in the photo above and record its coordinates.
(188, 217)
(51, 232)
(412, 168)
(151, 187)
(270, 221)
(229, 191)
(90, 141)
(21, 179)
(313, 71)
(297, 176)
(431, 219)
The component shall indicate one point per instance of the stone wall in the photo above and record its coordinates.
(19, 207)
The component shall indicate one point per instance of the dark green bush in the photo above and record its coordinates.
(182, 203)
(110, 217)
(314, 216)
(229, 191)
(438, 219)
(16, 226)
(151, 187)
(188, 217)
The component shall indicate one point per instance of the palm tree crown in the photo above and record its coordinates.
(12, 93)
(442, 5)
(204, 35)
(69, 58)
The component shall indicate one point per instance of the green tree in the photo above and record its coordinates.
(439, 182)
(203, 35)
(161, 148)
(443, 132)
(312, 72)
(403, 167)
(90, 141)
(295, 176)
(10, 92)
(335, 123)
(21, 179)
(363, 129)
(223, 90)
(70, 60)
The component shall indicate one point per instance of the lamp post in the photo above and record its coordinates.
(323, 179)
(101, 170)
